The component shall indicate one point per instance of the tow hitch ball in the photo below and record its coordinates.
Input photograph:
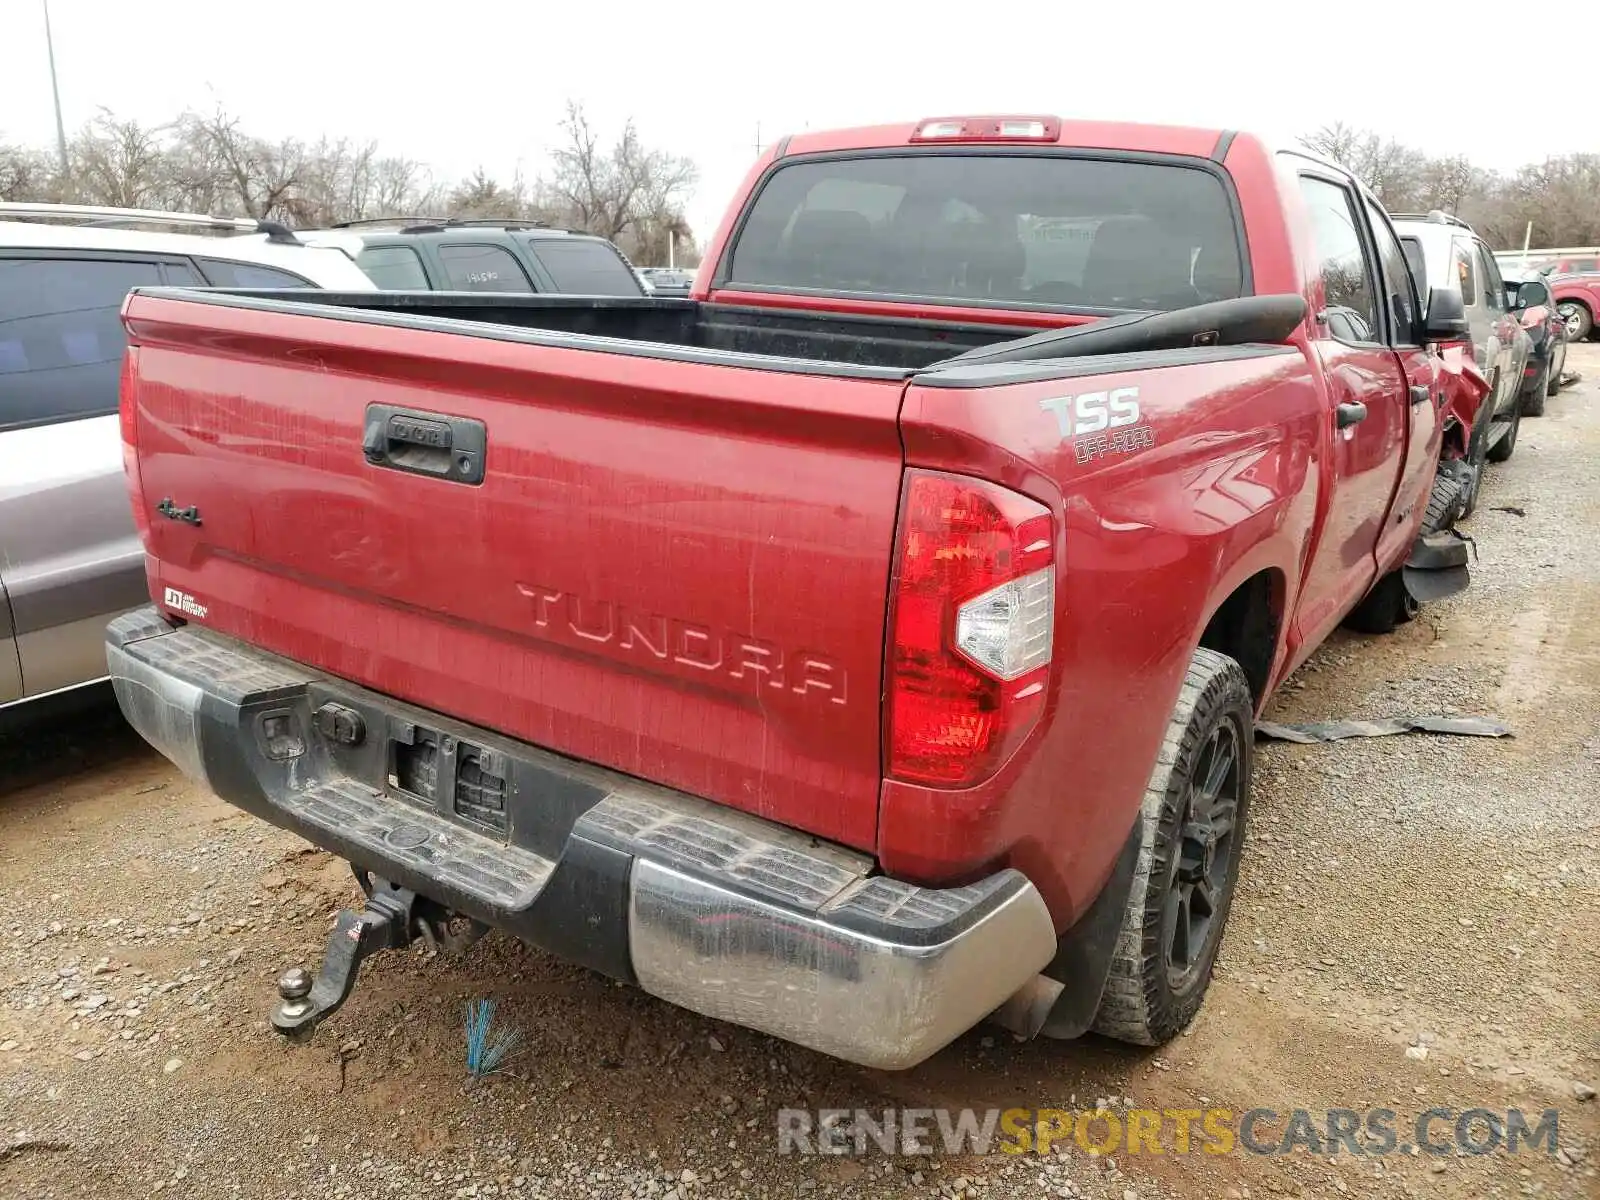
(392, 919)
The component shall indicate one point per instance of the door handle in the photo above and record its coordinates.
(1349, 414)
(1419, 394)
(424, 443)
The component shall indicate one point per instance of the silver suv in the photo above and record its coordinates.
(1443, 251)
(69, 557)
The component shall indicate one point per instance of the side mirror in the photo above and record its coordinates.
(1532, 292)
(1447, 316)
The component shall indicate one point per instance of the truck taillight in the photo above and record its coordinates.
(972, 624)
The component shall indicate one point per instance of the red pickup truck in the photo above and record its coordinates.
(864, 646)
(1578, 301)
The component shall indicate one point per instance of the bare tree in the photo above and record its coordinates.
(621, 188)
(263, 178)
(120, 163)
(26, 174)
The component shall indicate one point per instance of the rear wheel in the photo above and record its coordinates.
(1191, 838)
(1533, 399)
(1553, 385)
(1507, 445)
(1580, 321)
(1386, 606)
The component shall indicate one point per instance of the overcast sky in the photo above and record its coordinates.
(483, 82)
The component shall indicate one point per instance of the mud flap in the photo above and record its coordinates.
(1083, 955)
(1437, 566)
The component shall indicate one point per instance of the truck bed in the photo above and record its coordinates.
(882, 347)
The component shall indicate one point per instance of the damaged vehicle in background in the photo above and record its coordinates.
(1481, 428)
(1530, 296)
(866, 647)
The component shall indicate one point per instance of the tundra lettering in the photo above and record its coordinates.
(686, 643)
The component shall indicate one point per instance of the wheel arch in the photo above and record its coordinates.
(1247, 626)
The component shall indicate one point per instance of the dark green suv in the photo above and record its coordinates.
(445, 255)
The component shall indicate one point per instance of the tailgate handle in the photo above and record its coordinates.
(424, 443)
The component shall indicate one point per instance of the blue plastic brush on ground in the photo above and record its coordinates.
(486, 1055)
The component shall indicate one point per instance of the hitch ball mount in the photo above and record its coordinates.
(393, 918)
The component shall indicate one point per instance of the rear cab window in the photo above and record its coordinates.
(393, 268)
(584, 267)
(473, 267)
(1002, 230)
(61, 336)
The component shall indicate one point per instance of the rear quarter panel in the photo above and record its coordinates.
(1217, 480)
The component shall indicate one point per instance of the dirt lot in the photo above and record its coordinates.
(1437, 896)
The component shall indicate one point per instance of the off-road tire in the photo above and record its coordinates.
(1140, 1003)
(1506, 446)
(1445, 502)
(1533, 398)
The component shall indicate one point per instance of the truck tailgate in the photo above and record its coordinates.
(675, 569)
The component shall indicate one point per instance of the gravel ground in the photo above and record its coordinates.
(1419, 924)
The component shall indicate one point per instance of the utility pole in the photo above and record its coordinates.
(55, 88)
(758, 139)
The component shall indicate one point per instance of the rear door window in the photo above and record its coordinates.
(222, 273)
(1412, 248)
(393, 268)
(1494, 288)
(1395, 273)
(583, 267)
(61, 336)
(992, 229)
(1464, 271)
(481, 268)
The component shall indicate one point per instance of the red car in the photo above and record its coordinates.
(865, 645)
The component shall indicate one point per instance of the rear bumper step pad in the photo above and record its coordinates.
(712, 909)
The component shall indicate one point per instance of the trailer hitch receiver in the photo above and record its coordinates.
(384, 924)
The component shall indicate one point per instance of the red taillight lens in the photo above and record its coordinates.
(972, 625)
